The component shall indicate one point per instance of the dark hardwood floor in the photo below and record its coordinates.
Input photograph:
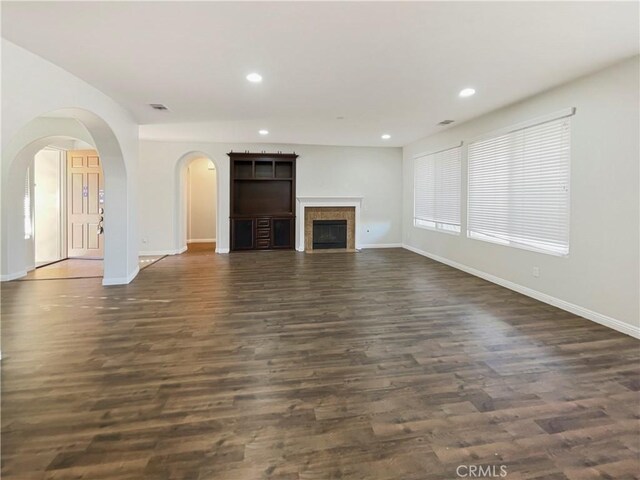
(281, 365)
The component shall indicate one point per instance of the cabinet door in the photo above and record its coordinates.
(282, 236)
(242, 234)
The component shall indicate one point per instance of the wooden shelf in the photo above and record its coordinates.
(273, 179)
(262, 200)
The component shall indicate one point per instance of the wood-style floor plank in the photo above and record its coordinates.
(280, 365)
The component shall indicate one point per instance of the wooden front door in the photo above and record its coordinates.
(85, 204)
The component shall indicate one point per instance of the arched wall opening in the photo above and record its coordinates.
(201, 204)
(50, 219)
(181, 199)
(16, 252)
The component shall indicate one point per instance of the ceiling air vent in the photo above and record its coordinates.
(446, 122)
(158, 106)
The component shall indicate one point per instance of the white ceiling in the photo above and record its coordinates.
(386, 67)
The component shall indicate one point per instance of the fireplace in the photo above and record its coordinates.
(335, 208)
(329, 234)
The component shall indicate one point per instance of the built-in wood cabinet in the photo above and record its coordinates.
(263, 196)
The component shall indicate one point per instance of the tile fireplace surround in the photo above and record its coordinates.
(329, 213)
(327, 208)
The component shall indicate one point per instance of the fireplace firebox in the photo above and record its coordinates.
(329, 234)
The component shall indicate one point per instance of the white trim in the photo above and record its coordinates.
(12, 276)
(201, 240)
(303, 202)
(565, 112)
(162, 252)
(612, 323)
(382, 245)
(436, 229)
(222, 250)
(471, 235)
(330, 199)
(425, 154)
(122, 280)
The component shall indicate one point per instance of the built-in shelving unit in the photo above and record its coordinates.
(263, 206)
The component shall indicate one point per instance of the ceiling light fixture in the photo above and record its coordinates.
(386, 136)
(263, 132)
(158, 106)
(254, 77)
(467, 92)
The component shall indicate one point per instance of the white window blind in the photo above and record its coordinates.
(28, 225)
(437, 190)
(519, 187)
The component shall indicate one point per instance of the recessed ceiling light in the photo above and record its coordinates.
(467, 92)
(254, 77)
(386, 136)
(263, 132)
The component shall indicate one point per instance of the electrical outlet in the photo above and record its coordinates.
(536, 272)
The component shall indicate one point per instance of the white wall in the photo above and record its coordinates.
(373, 173)
(600, 278)
(33, 87)
(201, 214)
(47, 205)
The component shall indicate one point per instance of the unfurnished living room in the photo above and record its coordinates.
(320, 240)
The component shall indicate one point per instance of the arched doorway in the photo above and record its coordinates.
(17, 252)
(196, 170)
(201, 199)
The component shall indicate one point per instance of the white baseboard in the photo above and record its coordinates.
(12, 276)
(381, 245)
(369, 245)
(202, 240)
(613, 323)
(121, 280)
(154, 253)
(176, 252)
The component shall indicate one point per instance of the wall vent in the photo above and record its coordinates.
(158, 106)
(446, 122)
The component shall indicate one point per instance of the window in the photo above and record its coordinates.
(28, 225)
(519, 186)
(436, 201)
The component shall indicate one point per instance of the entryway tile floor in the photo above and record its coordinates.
(80, 268)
